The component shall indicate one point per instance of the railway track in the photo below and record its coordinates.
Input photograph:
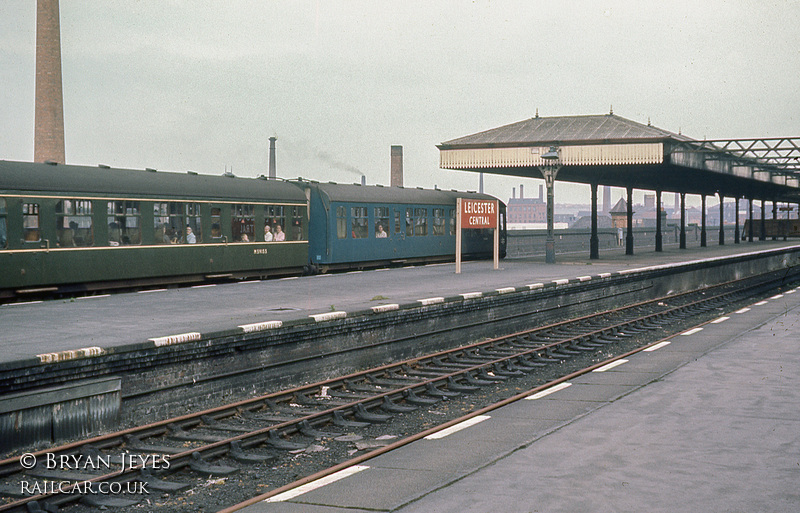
(317, 427)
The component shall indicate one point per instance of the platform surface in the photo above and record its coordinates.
(29, 329)
(709, 422)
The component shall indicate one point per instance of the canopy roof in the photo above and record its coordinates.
(608, 149)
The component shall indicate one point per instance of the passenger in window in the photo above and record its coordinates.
(279, 235)
(190, 237)
(245, 238)
(67, 236)
(380, 233)
(268, 237)
(114, 234)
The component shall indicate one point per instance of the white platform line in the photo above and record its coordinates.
(610, 365)
(150, 291)
(721, 319)
(777, 296)
(204, 286)
(458, 427)
(761, 303)
(319, 483)
(743, 310)
(431, 301)
(691, 332)
(562, 281)
(471, 295)
(548, 391)
(657, 346)
(95, 297)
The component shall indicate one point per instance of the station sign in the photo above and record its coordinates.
(478, 213)
(474, 214)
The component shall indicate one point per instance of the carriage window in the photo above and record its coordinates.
(168, 222)
(124, 226)
(243, 223)
(452, 221)
(341, 223)
(74, 223)
(216, 224)
(421, 221)
(3, 227)
(438, 221)
(276, 217)
(30, 222)
(297, 223)
(398, 225)
(409, 222)
(360, 222)
(381, 222)
(193, 221)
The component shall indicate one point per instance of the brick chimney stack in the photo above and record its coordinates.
(273, 174)
(48, 143)
(397, 166)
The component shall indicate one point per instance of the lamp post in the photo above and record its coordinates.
(549, 171)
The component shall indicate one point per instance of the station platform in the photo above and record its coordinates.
(109, 321)
(708, 422)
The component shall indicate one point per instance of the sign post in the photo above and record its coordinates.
(477, 214)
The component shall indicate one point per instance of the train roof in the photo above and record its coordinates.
(378, 194)
(28, 177)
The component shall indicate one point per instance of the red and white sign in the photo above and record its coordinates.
(478, 213)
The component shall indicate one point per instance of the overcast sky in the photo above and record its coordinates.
(201, 85)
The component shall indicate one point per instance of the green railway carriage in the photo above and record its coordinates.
(66, 229)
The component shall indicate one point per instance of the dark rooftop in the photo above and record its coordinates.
(561, 129)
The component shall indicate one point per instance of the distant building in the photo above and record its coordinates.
(526, 210)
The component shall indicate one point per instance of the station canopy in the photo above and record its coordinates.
(608, 149)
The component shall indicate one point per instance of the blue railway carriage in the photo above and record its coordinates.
(355, 226)
(71, 229)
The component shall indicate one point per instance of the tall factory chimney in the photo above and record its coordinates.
(397, 166)
(48, 140)
(606, 199)
(521, 191)
(541, 193)
(480, 184)
(272, 169)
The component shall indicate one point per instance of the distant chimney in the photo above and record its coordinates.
(363, 180)
(397, 166)
(541, 193)
(272, 168)
(48, 140)
(606, 199)
(480, 184)
(513, 193)
(649, 201)
(521, 191)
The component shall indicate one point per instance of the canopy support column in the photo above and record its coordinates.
(594, 240)
(629, 233)
(683, 221)
(721, 219)
(763, 234)
(659, 238)
(750, 218)
(703, 221)
(736, 221)
(549, 173)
